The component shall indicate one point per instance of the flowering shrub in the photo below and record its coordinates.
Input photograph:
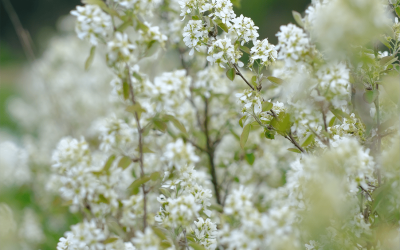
(296, 147)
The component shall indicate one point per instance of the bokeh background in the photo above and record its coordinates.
(40, 18)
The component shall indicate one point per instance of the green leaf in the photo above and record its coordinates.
(136, 108)
(223, 27)
(109, 162)
(269, 134)
(245, 49)
(339, 114)
(282, 124)
(195, 18)
(110, 240)
(254, 81)
(216, 207)
(250, 158)
(385, 42)
(125, 25)
(267, 106)
(275, 79)
(176, 123)
(236, 3)
(102, 5)
(165, 192)
(124, 162)
(145, 150)
(245, 135)
(125, 89)
(294, 150)
(297, 18)
(236, 179)
(141, 26)
(387, 60)
(308, 140)
(89, 60)
(371, 95)
(155, 176)
(397, 11)
(196, 246)
(134, 187)
(160, 125)
(332, 121)
(160, 233)
(102, 199)
(231, 73)
(242, 120)
(152, 48)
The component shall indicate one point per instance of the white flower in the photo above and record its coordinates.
(179, 154)
(91, 22)
(222, 9)
(245, 29)
(120, 48)
(222, 52)
(251, 101)
(195, 35)
(264, 51)
(293, 43)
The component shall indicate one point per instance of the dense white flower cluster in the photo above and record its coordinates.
(264, 51)
(167, 162)
(92, 24)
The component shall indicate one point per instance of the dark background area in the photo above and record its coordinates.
(39, 18)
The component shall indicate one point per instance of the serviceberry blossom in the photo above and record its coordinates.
(223, 52)
(293, 43)
(245, 29)
(92, 23)
(152, 33)
(251, 101)
(205, 232)
(264, 51)
(195, 35)
(188, 6)
(223, 10)
(120, 48)
(179, 154)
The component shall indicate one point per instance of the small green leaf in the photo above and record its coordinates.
(102, 199)
(124, 162)
(269, 134)
(109, 163)
(387, 60)
(297, 18)
(254, 81)
(245, 135)
(141, 26)
(267, 106)
(125, 25)
(136, 108)
(125, 89)
(134, 187)
(385, 42)
(89, 60)
(294, 150)
(236, 179)
(176, 123)
(397, 11)
(275, 79)
(339, 114)
(160, 233)
(110, 240)
(242, 120)
(371, 95)
(245, 49)
(165, 192)
(154, 176)
(152, 48)
(223, 26)
(160, 125)
(196, 246)
(195, 18)
(332, 121)
(308, 140)
(216, 207)
(282, 124)
(250, 158)
(145, 150)
(231, 73)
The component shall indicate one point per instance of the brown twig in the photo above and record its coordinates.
(140, 148)
(23, 34)
(240, 74)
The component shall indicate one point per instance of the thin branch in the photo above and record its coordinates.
(240, 74)
(23, 34)
(140, 149)
(210, 153)
(295, 143)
